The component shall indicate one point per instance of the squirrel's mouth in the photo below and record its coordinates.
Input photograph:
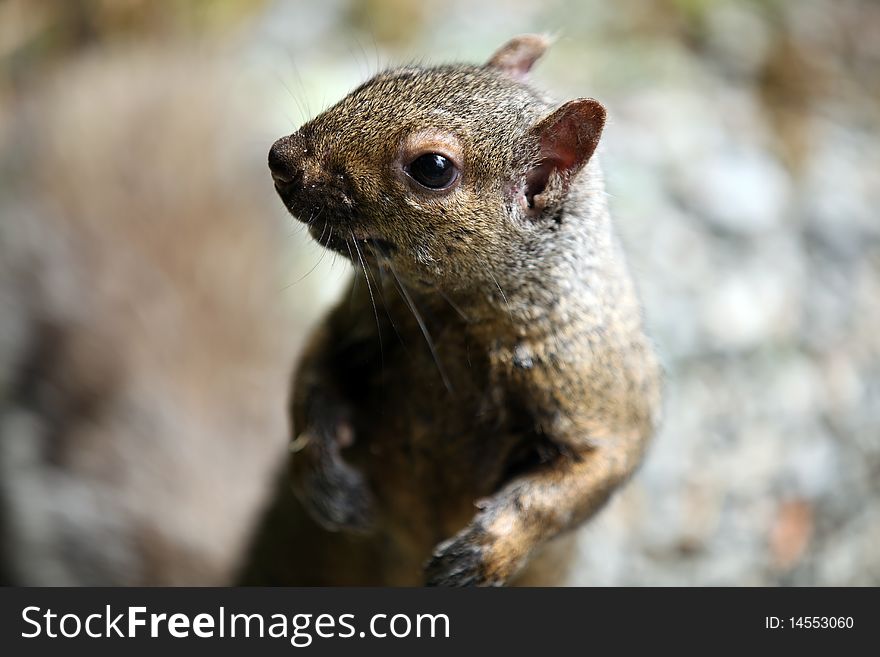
(380, 247)
(353, 247)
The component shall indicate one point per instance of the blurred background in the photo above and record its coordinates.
(742, 164)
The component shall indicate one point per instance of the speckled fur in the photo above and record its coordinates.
(536, 392)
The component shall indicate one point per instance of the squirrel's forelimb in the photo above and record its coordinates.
(531, 510)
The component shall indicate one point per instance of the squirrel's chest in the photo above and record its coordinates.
(440, 422)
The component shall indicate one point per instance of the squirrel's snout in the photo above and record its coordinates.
(285, 169)
(305, 188)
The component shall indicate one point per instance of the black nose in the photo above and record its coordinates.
(284, 168)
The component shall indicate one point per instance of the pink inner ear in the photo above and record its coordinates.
(536, 181)
(557, 153)
(567, 138)
(570, 141)
(561, 155)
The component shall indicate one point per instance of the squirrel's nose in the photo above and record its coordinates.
(284, 169)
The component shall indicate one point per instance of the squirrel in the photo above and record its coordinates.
(486, 383)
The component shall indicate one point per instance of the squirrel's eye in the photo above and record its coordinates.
(433, 171)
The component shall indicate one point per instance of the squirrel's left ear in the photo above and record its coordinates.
(567, 139)
(516, 57)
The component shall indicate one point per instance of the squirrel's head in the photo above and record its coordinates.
(442, 174)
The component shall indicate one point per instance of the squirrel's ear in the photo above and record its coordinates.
(567, 139)
(516, 57)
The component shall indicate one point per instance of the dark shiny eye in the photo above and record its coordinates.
(433, 171)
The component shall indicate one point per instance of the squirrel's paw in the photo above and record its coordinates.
(335, 494)
(466, 559)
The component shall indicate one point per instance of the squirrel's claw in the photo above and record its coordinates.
(461, 561)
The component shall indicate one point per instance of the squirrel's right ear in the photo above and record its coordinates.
(516, 57)
(566, 140)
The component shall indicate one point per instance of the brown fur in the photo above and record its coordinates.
(503, 387)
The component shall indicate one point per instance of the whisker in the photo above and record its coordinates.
(422, 326)
(302, 114)
(503, 296)
(354, 279)
(327, 246)
(314, 217)
(372, 299)
(380, 285)
(299, 82)
(454, 306)
(314, 267)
